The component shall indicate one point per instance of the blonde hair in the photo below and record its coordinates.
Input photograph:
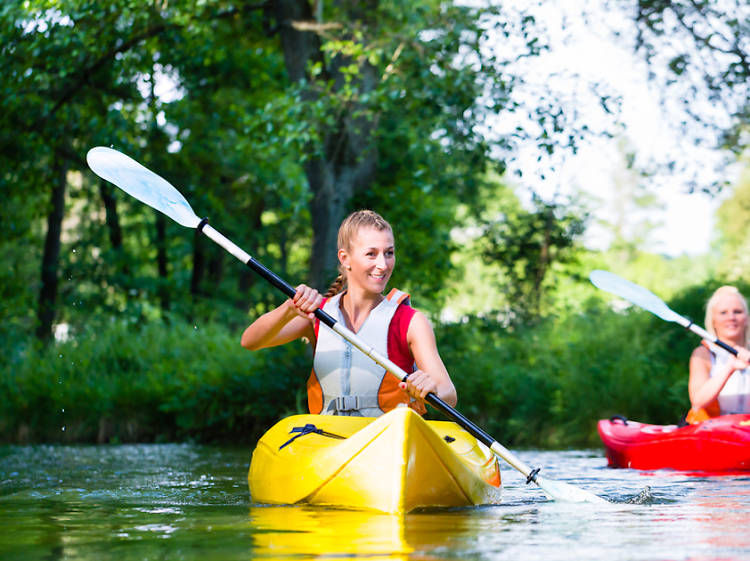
(348, 230)
(711, 305)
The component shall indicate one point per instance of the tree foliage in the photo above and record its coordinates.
(271, 119)
(529, 247)
(699, 51)
(733, 225)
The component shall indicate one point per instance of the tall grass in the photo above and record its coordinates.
(544, 385)
(548, 385)
(156, 382)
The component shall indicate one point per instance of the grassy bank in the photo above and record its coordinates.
(148, 383)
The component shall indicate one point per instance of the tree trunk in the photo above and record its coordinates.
(199, 265)
(112, 218)
(161, 261)
(47, 304)
(216, 267)
(349, 158)
(328, 207)
(248, 277)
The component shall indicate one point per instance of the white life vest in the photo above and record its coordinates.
(735, 395)
(349, 379)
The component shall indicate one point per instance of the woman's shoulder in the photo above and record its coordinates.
(417, 322)
(701, 352)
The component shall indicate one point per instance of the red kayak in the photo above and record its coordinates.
(718, 444)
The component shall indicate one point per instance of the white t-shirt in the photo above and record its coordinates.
(735, 395)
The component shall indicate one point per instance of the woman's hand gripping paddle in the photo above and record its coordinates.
(149, 188)
(647, 300)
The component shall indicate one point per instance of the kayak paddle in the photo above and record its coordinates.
(156, 192)
(647, 300)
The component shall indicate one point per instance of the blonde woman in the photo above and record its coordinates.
(719, 381)
(344, 381)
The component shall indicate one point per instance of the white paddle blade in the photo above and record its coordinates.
(141, 183)
(565, 492)
(634, 294)
(555, 490)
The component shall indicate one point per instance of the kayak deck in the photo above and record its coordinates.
(394, 463)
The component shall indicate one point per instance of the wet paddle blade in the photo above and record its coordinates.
(634, 294)
(561, 491)
(555, 490)
(141, 183)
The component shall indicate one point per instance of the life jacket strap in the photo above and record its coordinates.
(349, 403)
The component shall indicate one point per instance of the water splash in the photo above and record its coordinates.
(642, 498)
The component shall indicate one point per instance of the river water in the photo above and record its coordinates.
(189, 502)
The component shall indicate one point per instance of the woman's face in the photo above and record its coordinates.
(372, 256)
(730, 318)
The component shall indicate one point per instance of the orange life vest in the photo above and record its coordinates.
(344, 381)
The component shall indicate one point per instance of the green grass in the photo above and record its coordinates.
(157, 382)
(544, 385)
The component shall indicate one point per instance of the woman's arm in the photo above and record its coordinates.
(704, 388)
(431, 376)
(292, 320)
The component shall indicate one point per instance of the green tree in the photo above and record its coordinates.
(632, 204)
(283, 117)
(396, 99)
(733, 225)
(527, 246)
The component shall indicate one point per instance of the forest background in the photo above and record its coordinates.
(277, 118)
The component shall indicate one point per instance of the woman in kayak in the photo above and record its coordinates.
(344, 381)
(720, 382)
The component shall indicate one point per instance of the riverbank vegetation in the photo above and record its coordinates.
(534, 385)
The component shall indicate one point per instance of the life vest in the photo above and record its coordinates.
(345, 381)
(734, 396)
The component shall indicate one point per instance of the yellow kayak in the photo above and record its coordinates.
(394, 463)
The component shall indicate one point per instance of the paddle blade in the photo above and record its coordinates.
(561, 491)
(141, 183)
(634, 294)
(555, 490)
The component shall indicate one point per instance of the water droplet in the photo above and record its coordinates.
(60, 355)
(195, 327)
(63, 429)
(62, 410)
(74, 251)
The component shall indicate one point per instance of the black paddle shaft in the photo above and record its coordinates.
(285, 287)
(726, 346)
